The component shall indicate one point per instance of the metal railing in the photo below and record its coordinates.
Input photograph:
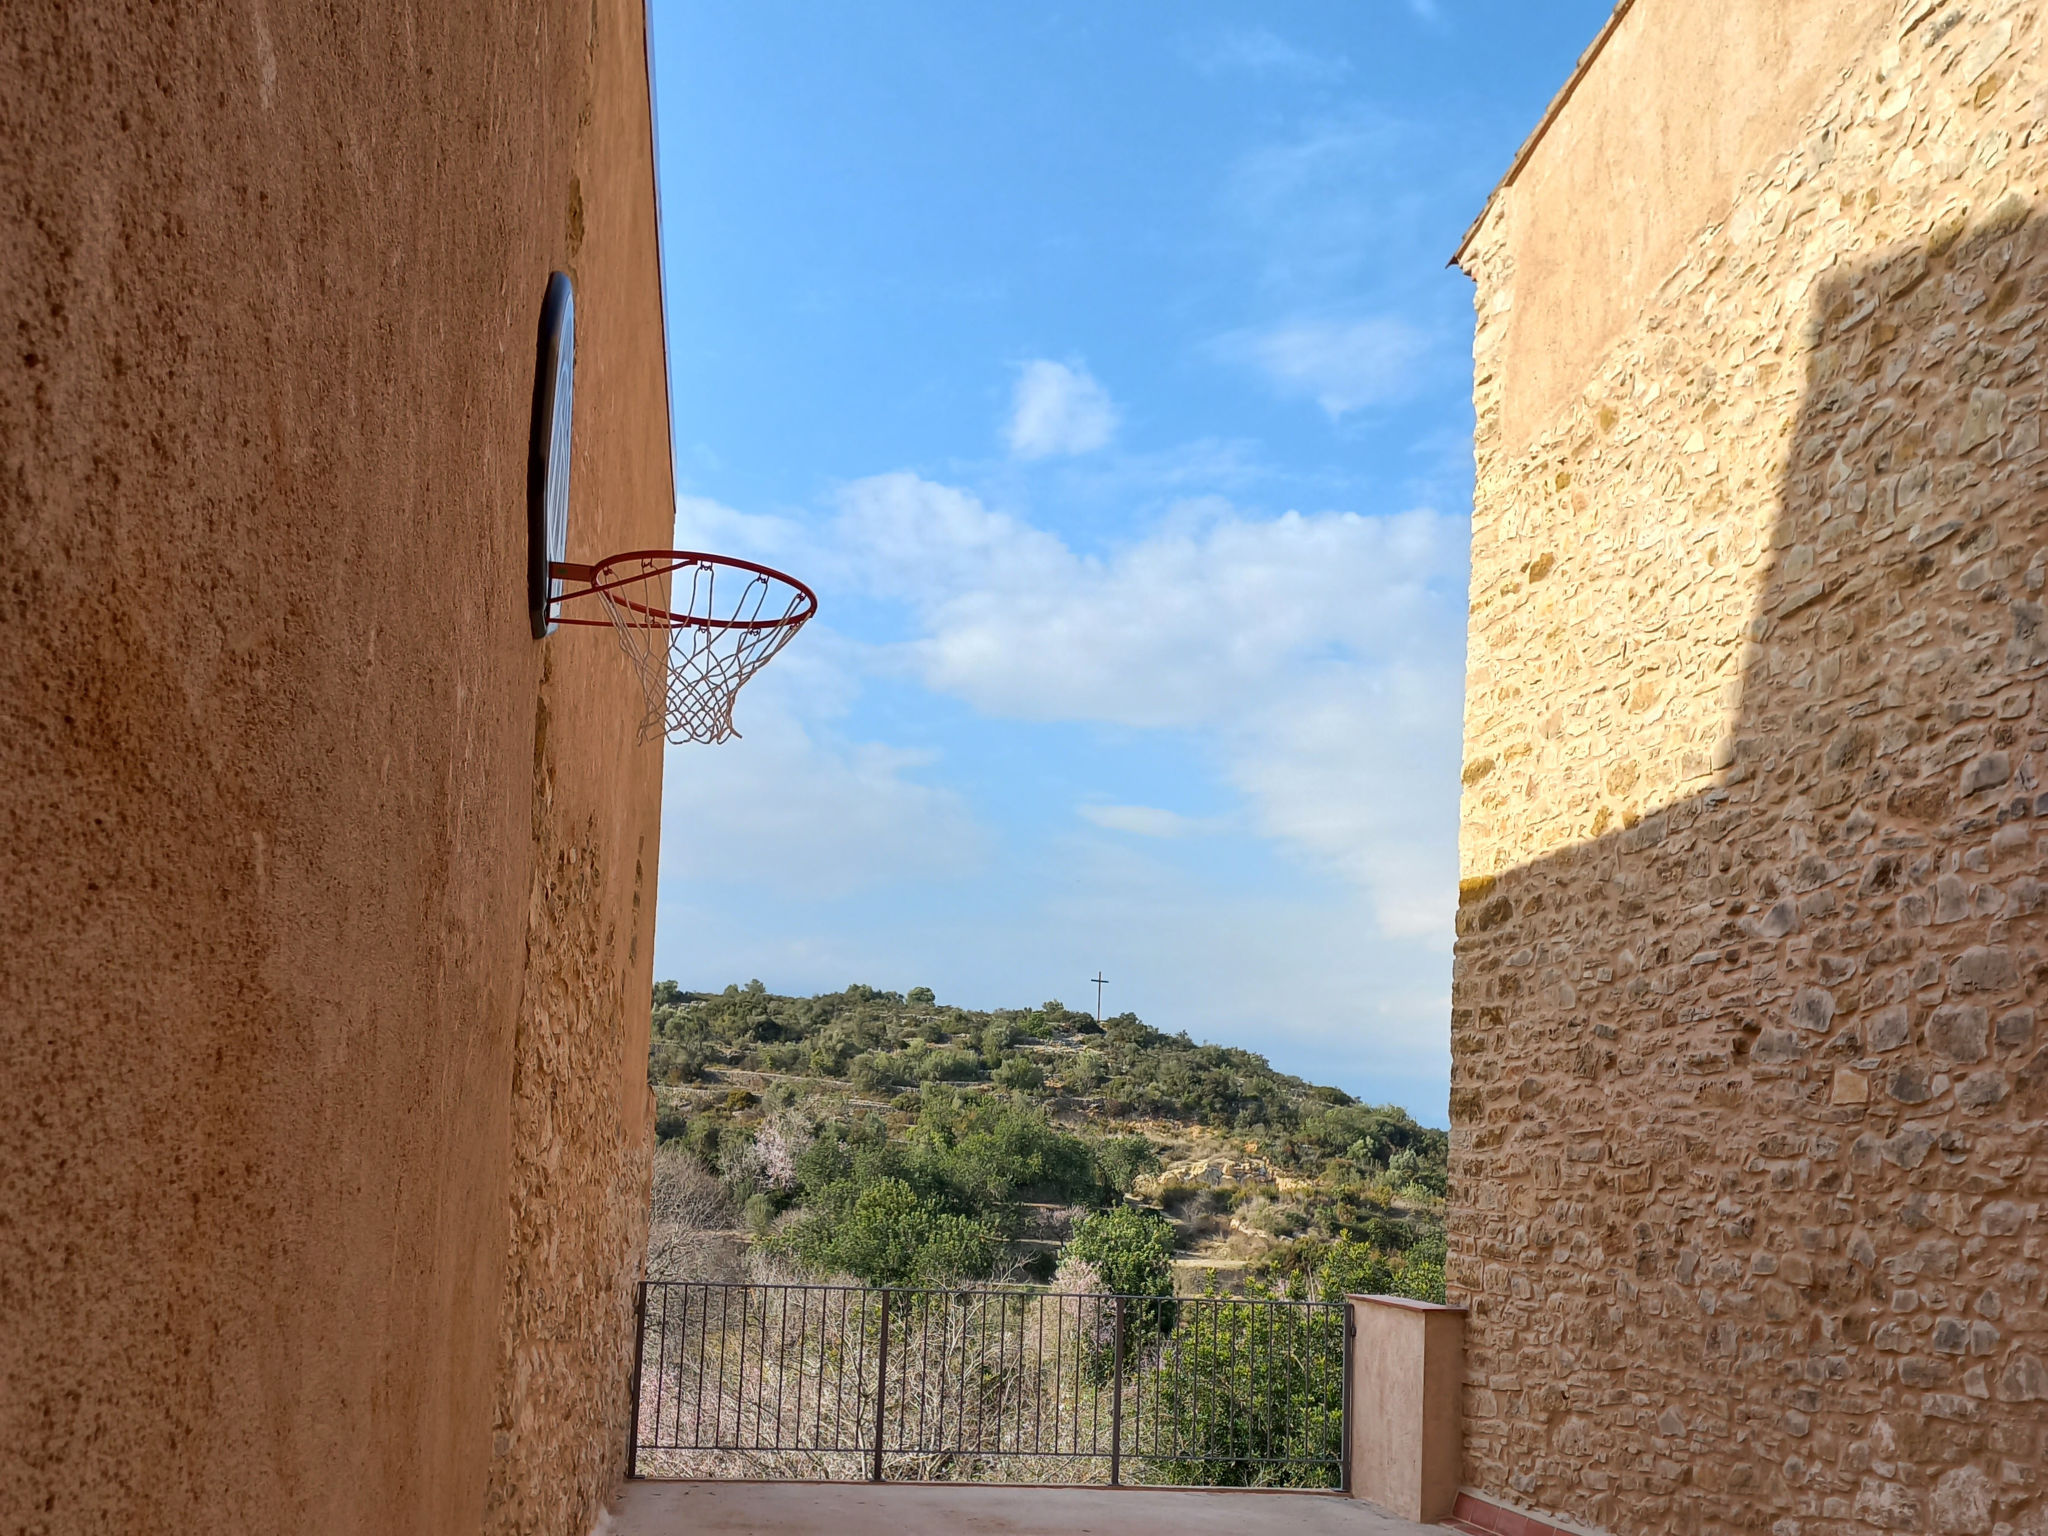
(988, 1385)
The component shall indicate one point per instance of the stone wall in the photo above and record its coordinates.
(326, 905)
(1748, 1085)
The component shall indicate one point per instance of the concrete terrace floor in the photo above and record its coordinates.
(659, 1508)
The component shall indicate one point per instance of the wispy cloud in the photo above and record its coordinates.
(799, 806)
(1259, 50)
(1343, 365)
(1059, 408)
(1144, 820)
(1318, 655)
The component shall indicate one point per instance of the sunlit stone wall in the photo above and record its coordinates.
(1748, 1083)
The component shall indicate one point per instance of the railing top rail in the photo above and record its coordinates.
(1024, 1291)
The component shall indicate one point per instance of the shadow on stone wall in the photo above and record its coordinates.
(1748, 1092)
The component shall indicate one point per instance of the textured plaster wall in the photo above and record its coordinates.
(1748, 1085)
(1627, 175)
(325, 915)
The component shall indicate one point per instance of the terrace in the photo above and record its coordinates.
(927, 1509)
(796, 1408)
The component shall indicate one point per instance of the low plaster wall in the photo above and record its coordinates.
(1407, 1370)
(328, 891)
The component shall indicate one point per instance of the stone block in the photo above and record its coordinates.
(1959, 1031)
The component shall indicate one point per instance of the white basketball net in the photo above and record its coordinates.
(696, 629)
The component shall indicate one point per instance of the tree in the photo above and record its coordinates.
(923, 996)
(1121, 1159)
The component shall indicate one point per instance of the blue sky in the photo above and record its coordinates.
(1100, 368)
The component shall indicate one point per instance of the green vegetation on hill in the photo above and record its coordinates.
(887, 1137)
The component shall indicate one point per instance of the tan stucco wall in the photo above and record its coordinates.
(1681, 100)
(1748, 1086)
(327, 891)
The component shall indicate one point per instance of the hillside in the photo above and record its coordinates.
(892, 1138)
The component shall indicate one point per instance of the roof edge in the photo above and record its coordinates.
(1550, 115)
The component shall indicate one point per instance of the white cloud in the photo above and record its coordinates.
(1361, 769)
(708, 526)
(1343, 365)
(1260, 50)
(793, 808)
(1143, 820)
(1318, 656)
(1058, 409)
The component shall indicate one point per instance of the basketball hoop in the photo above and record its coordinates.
(695, 627)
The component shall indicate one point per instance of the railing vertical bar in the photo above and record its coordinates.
(1137, 1379)
(860, 1366)
(1344, 1414)
(1232, 1378)
(746, 1363)
(639, 1355)
(1266, 1377)
(881, 1387)
(660, 1367)
(1037, 1326)
(1116, 1405)
(703, 1341)
(761, 1386)
(1059, 1369)
(981, 1389)
(724, 1348)
(1094, 1384)
(987, 1385)
(924, 1376)
(781, 1356)
(959, 1340)
(970, 1396)
(838, 1372)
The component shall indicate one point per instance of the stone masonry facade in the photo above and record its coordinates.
(1749, 1083)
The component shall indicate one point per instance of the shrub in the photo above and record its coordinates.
(1131, 1250)
(829, 1058)
(670, 1124)
(890, 1235)
(1245, 1386)
(872, 1072)
(1020, 1074)
(688, 1205)
(1359, 1269)
(948, 1066)
(1280, 1220)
